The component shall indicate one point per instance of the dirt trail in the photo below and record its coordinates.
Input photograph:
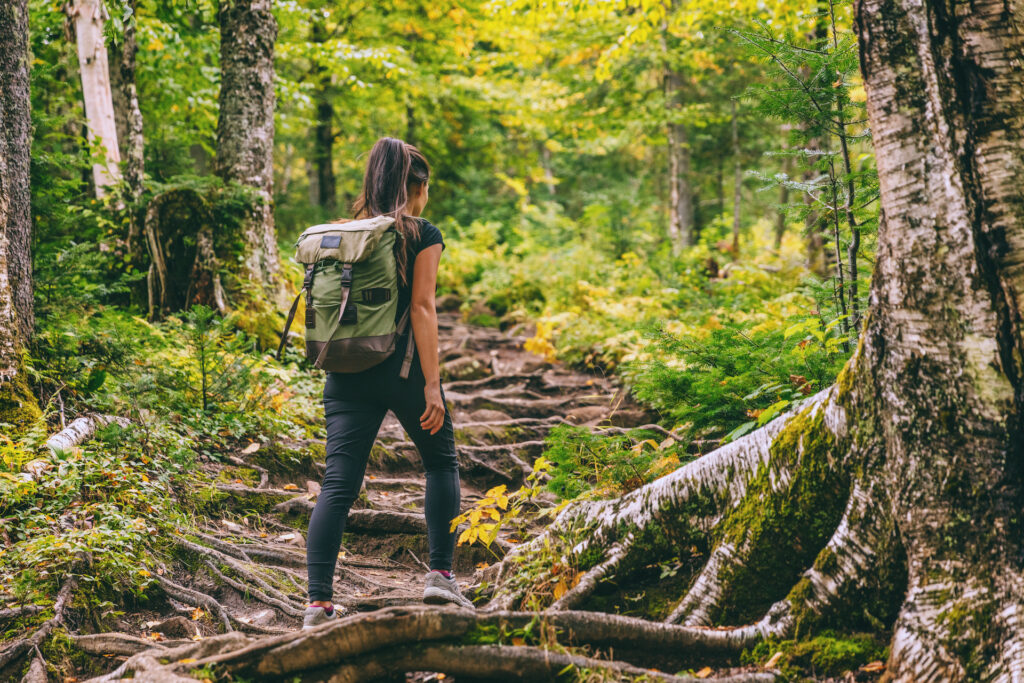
(251, 558)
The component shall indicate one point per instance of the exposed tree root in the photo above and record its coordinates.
(694, 609)
(286, 605)
(20, 611)
(114, 643)
(708, 487)
(195, 597)
(264, 472)
(588, 582)
(37, 669)
(16, 649)
(502, 663)
(393, 640)
(188, 595)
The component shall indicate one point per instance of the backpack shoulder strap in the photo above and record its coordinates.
(307, 287)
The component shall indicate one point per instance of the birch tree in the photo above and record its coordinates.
(89, 17)
(17, 405)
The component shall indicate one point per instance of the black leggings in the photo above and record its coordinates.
(354, 407)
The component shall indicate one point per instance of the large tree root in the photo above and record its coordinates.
(701, 492)
(368, 646)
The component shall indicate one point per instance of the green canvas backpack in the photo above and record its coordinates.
(351, 290)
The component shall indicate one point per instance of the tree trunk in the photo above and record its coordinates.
(130, 134)
(780, 218)
(134, 168)
(737, 183)
(89, 17)
(680, 223)
(17, 404)
(323, 154)
(245, 129)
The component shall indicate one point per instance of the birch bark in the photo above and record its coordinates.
(89, 17)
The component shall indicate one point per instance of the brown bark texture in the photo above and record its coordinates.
(16, 315)
(680, 226)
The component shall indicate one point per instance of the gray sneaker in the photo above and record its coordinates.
(316, 615)
(440, 591)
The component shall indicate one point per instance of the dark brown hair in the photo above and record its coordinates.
(393, 168)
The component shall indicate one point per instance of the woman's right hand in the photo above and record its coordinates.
(432, 418)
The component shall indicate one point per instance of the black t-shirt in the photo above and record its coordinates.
(429, 236)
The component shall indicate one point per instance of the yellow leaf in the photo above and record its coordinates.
(560, 589)
(494, 514)
(464, 536)
(703, 673)
(517, 641)
(474, 515)
(197, 614)
(496, 491)
(502, 502)
(143, 572)
(187, 660)
(291, 487)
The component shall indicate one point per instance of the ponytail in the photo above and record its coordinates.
(393, 166)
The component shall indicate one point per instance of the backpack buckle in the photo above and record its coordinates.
(346, 275)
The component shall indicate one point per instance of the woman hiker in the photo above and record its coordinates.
(395, 184)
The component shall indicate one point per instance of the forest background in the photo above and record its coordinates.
(682, 195)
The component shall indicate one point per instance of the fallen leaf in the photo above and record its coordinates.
(703, 673)
(156, 635)
(518, 641)
(187, 660)
(873, 667)
(197, 614)
(774, 661)
(251, 448)
(482, 565)
(291, 487)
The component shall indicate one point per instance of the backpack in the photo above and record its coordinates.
(351, 290)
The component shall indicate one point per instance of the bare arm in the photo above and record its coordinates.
(423, 315)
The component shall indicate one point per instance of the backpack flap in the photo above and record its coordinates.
(349, 242)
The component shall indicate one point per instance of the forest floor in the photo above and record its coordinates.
(246, 568)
